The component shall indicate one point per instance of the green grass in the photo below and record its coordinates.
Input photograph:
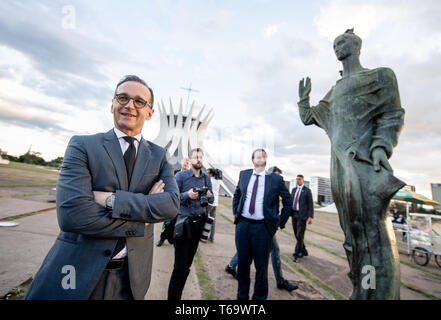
(21, 195)
(207, 290)
(323, 285)
(411, 265)
(436, 274)
(427, 295)
(316, 245)
(29, 167)
(337, 295)
(315, 280)
(17, 185)
(11, 218)
(226, 218)
(19, 292)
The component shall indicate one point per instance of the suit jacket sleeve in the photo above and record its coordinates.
(76, 209)
(310, 204)
(287, 202)
(236, 197)
(151, 207)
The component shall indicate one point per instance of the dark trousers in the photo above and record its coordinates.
(113, 285)
(299, 227)
(253, 242)
(185, 249)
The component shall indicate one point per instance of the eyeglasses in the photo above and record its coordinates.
(124, 99)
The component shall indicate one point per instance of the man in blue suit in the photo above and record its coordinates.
(111, 187)
(256, 212)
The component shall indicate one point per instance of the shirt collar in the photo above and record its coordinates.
(300, 187)
(120, 134)
(259, 174)
(191, 173)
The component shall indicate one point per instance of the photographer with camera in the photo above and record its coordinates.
(196, 193)
(215, 175)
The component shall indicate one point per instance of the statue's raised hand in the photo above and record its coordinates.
(304, 88)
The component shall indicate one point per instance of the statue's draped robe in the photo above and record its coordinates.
(361, 112)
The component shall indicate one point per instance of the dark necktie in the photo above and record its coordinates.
(130, 156)
(253, 195)
(296, 200)
(129, 160)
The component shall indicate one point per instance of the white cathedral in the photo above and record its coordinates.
(179, 133)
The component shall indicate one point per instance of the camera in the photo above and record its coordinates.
(202, 191)
(207, 228)
(217, 174)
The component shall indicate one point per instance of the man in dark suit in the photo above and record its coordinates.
(111, 187)
(302, 212)
(256, 212)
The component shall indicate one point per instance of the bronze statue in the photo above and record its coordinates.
(363, 118)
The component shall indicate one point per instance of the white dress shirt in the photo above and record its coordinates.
(123, 143)
(299, 189)
(215, 185)
(124, 146)
(258, 207)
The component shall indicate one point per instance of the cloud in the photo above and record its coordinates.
(270, 31)
(221, 49)
(29, 119)
(64, 63)
(413, 55)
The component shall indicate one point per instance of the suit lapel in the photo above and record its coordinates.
(246, 181)
(142, 160)
(113, 148)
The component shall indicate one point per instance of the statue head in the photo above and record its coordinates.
(347, 44)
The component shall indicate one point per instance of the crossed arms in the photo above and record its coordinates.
(78, 211)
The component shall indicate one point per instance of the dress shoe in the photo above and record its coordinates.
(287, 286)
(160, 242)
(294, 258)
(305, 253)
(230, 270)
(300, 255)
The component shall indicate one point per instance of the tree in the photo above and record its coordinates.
(32, 157)
(55, 162)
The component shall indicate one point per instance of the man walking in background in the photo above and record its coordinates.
(302, 212)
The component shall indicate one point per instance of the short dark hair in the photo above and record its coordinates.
(263, 150)
(195, 150)
(134, 78)
(300, 176)
(275, 169)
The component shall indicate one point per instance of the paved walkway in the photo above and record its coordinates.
(24, 247)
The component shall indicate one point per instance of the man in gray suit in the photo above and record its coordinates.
(112, 187)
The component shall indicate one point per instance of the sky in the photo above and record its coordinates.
(60, 62)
